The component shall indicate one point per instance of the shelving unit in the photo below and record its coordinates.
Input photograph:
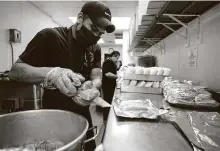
(166, 17)
(146, 90)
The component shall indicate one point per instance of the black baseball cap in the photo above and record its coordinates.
(100, 14)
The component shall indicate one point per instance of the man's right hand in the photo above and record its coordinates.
(63, 79)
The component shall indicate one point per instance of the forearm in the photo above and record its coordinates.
(23, 72)
(111, 75)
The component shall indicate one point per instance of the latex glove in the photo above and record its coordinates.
(88, 94)
(97, 83)
(63, 79)
(87, 85)
(100, 148)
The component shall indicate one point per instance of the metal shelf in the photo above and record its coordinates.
(167, 19)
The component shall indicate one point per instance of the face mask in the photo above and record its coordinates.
(85, 37)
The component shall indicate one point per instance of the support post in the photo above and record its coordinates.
(158, 47)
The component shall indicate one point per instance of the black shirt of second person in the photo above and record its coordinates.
(108, 84)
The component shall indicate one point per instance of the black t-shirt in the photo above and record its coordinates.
(56, 47)
(108, 66)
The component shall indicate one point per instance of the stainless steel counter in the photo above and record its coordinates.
(141, 135)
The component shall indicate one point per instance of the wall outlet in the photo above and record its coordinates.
(15, 35)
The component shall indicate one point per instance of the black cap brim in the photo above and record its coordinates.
(105, 23)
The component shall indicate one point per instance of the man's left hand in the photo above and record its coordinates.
(86, 97)
(87, 93)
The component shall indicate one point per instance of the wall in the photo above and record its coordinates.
(127, 58)
(24, 17)
(132, 29)
(208, 62)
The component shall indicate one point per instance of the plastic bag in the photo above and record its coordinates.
(141, 84)
(206, 128)
(137, 109)
(147, 71)
(88, 92)
(130, 70)
(179, 119)
(161, 84)
(166, 71)
(133, 83)
(184, 94)
(160, 71)
(99, 101)
(127, 82)
(139, 70)
(148, 84)
(153, 71)
(156, 84)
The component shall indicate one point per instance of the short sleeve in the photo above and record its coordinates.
(37, 52)
(97, 57)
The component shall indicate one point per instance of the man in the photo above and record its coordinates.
(109, 77)
(119, 64)
(55, 56)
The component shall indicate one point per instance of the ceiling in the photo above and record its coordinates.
(61, 10)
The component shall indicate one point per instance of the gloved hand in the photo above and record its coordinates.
(87, 85)
(100, 148)
(88, 94)
(97, 83)
(86, 97)
(63, 79)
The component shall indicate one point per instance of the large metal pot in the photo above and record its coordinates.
(24, 127)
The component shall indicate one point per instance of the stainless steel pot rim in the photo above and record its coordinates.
(61, 111)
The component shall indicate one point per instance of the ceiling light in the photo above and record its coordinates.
(121, 23)
(72, 19)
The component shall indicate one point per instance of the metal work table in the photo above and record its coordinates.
(141, 135)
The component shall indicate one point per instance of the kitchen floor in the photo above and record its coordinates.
(97, 119)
